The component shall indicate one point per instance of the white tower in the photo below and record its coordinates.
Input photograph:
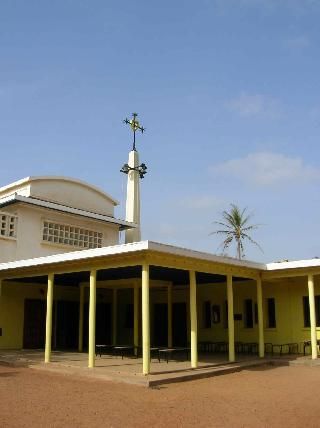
(134, 172)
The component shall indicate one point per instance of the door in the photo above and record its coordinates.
(160, 324)
(34, 325)
(179, 324)
(103, 324)
(67, 325)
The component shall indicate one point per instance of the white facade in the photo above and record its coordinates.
(40, 216)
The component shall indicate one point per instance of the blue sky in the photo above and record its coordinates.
(227, 89)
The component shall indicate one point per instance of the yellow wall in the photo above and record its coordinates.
(12, 308)
(288, 295)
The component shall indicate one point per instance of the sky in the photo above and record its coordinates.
(228, 90)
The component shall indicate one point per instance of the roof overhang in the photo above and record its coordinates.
(154, 254)
(12, 199)
(134, 254)
(292, 269)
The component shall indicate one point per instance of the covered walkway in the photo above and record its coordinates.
(144, 268)
(128, 370)
(136, 266)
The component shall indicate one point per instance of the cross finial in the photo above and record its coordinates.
(135, 126)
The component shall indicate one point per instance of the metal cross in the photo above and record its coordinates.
(135, 126)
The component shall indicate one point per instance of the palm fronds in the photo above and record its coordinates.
(235, 227)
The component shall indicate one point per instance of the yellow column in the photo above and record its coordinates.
(136, 317)
(92, 318)
(170, 316)
(260, 317)
(230, 318)
(81, 308)
(145, 321)
(114, 317)
(313, 326)
(47, 352)
(193, 319)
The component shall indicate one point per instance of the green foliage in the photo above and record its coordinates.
(236, 225)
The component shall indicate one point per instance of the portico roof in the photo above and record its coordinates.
(156, 254)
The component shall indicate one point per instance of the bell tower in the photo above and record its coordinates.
(135, 172)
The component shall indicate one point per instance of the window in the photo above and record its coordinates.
(74, 236)
(8, 225)
(248, 313)
(206, 314)
(271, 313)
(306, 310)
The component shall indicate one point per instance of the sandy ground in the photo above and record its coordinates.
(262, 397)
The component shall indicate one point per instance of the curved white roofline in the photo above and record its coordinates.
(58, 178)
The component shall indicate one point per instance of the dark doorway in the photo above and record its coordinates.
(103, 324)
(34, 325)
(160, 324)
(67, 325)
(179, 324)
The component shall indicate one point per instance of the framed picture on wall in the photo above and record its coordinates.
(216, 317)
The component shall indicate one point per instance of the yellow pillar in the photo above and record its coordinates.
(313, 326)
(81, 308)
(193, 319)
(260, 317)
(114, 317)
(170, 316)
(92, 318)
(145, 321)
(47, 352)
(230, 318)
(136, 317)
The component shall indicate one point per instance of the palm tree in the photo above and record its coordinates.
(235, 229)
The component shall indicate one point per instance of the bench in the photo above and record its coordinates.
(250, 348)
(166, 353)
(104, 349)
(123, 350)
(307, 344)
(291, 348)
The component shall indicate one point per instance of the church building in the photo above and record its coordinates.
(68, 283)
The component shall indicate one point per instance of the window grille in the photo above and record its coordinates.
(64, 234)
(8, 225)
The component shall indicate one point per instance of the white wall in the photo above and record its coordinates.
(29, 242)
(65, 191)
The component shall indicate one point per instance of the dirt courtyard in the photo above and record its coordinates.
(260, 397)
